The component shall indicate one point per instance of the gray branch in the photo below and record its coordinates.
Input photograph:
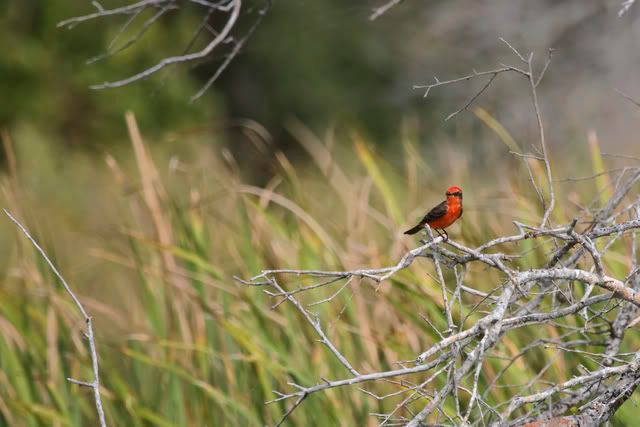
(95, 384)
(221, 41)
(590, 306)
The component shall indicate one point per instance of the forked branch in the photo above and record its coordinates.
(221, 38)
(569, 289)
(533, 82)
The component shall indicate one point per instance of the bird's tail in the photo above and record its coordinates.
(415, 229)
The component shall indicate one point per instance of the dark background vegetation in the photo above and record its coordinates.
(322, 62)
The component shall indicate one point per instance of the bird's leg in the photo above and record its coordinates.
(444, 236)
(430, 231)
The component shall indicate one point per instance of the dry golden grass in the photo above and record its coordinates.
(150, 237)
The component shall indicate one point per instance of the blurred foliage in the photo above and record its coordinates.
(189, 346)
(45, 78)
(318, 61)
(186, 345)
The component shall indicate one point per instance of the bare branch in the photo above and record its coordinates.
(234, 52)
(491, 73)
(128, 9)
(491, 327)
(543, 143)
(379, 11)
(473, 98)
(533, 83)
(570, 290)
(233, 16)
(626, 5)
(221, 36)
(95, 384)
(518, 401)
(375, 376)
(315, 323)
(628, 98)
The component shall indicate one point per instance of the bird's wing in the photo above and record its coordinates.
(435, 213)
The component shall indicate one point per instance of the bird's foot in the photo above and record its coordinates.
(443, 234)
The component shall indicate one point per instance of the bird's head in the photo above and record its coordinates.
(454, 192)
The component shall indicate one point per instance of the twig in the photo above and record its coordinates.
(128, 9)
(95, 384)
(533, 83)
(628, 98)
(315, 323)
(221, 35)
(443, 286)
(475, 74)
(235, 12)
(473, 98)
(543, 144)
(234, 52)
(375, 376)
(626, 5)
(518, 401)
(381, 10)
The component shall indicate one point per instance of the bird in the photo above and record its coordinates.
(443, 215)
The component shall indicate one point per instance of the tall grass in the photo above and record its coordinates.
(151, 235)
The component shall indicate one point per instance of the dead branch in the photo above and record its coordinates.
(221, 38)
(625, 6)
(489, 328)
(381, 10)
(534, 81)
(572, 290)
(95, 384)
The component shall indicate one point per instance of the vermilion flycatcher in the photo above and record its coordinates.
(443, 215)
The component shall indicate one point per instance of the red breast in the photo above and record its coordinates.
(454, 209)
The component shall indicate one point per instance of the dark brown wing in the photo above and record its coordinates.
(435, 213)
(432, 215)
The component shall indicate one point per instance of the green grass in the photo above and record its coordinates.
(181, 343)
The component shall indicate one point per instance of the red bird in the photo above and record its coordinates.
(443, 215)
